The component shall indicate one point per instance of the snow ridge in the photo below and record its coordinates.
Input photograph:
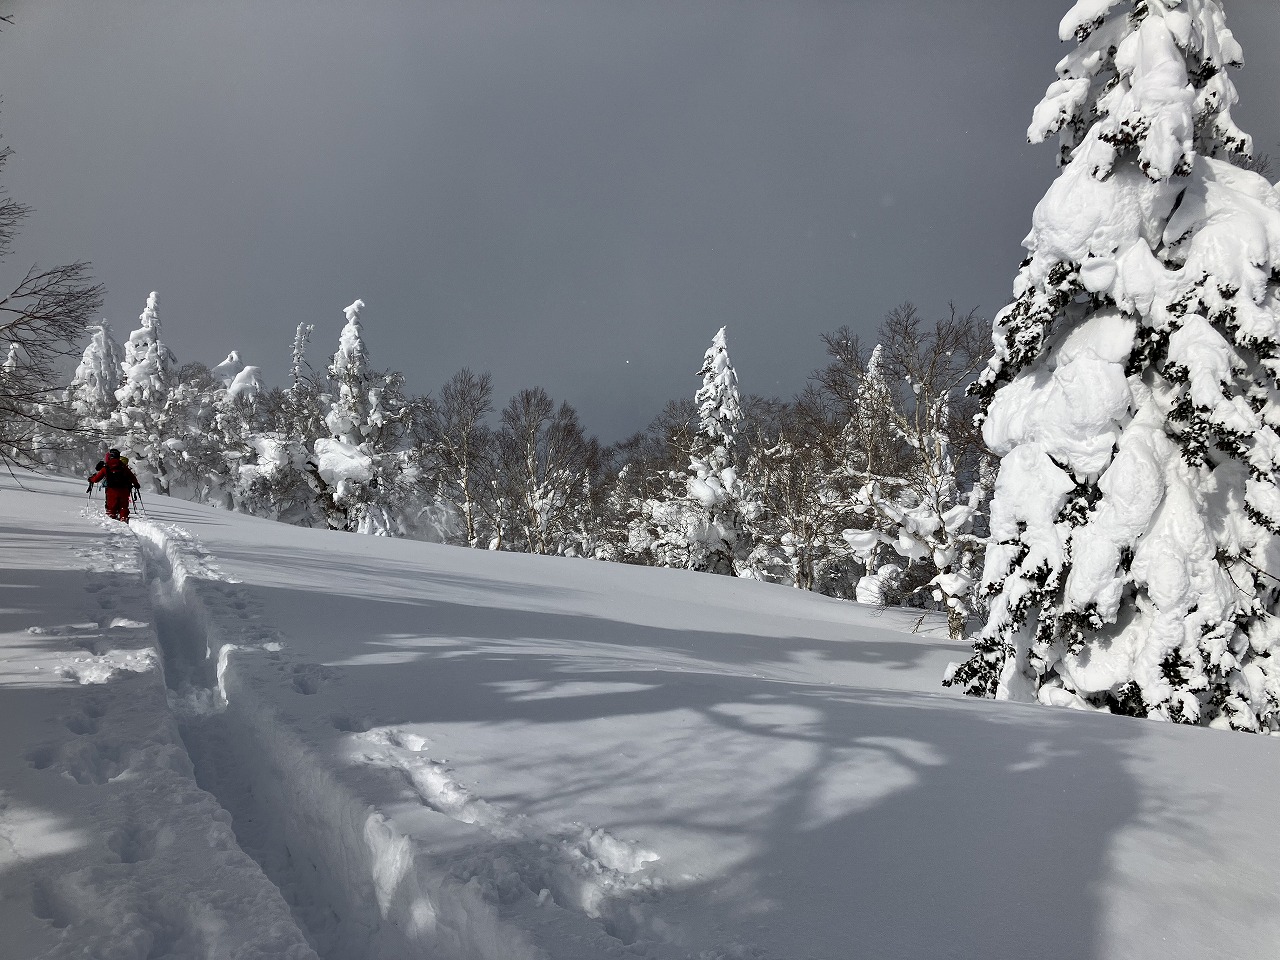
(580, 868)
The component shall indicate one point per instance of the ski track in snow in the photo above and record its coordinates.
(117, 760)
(358, 885)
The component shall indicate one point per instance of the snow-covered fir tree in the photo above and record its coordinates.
(358, 470)
(1133, 393)
(38, 427)
(302, 410)
(229, 368)
(871, 432)
(148, 429)
(298, 361)
(232, 431)
(719, 539)
(15, 435)
(698, 520)
(145, 342)
(192, 454)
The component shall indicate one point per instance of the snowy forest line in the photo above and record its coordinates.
(831, 491)
(1104, 470)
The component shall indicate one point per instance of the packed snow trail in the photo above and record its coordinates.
(321, 848)
(108, 848)
(359, 887)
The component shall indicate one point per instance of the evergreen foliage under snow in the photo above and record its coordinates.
(1132, 396)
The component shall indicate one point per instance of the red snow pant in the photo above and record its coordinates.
(118, 504)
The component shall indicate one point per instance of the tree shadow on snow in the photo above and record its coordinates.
(866, 824)
(913, 826)
(403, 604)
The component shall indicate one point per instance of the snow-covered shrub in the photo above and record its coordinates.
(1132, 397)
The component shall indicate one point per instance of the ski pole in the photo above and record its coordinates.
(137, 498)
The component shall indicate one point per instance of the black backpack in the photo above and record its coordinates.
(118, 477)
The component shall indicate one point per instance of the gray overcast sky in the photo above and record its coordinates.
(547, 189)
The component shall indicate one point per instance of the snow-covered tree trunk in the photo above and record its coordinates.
(298, 365)
(1133, 556)
(277, 478)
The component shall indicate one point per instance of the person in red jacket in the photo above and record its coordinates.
(120, 484)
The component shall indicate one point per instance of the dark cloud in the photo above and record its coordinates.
(543, 189)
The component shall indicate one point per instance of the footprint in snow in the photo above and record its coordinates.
(134, 842)
(41, 757)
(93, 763)
(308, 678)
(345, 723)
(81, 724)
(46, 905)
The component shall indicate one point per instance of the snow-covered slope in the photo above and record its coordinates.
(232, 738)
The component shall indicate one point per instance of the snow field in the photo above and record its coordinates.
(360, 886)
(431, 751)
(344, 870)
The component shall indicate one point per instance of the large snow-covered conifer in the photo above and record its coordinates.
(1132, 396)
